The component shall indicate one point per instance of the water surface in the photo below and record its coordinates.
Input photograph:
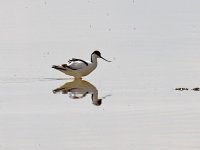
(127, 104)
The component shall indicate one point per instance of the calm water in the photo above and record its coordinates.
(127, 104)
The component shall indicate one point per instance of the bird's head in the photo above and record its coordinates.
(97, 54)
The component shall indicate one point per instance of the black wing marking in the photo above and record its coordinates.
(58, 67)
(66, 66)
(75, 59)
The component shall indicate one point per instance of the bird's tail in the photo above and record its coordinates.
(61, 68)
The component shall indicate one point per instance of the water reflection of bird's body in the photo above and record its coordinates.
(78, 67)
(78, 89)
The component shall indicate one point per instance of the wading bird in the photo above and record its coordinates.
(78, 67)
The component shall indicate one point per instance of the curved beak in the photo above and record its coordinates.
(106, 59)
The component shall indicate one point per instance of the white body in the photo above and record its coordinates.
(83, 69)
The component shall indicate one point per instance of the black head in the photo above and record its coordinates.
(97, 53)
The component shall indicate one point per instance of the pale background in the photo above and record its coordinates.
(154, 47)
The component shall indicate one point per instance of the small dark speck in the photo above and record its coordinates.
(109, 29)
(46, 54)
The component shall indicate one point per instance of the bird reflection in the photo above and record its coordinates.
(78, 89)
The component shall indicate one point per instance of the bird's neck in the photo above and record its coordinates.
(94, 59)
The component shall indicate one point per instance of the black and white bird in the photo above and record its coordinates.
(79, 68)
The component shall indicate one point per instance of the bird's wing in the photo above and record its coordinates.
(75, 65)
(78, 60)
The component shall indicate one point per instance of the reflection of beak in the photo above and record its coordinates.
(106, 59)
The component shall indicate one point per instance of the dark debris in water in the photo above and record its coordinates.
(186, 89)
(181, 89)
(196, 89)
